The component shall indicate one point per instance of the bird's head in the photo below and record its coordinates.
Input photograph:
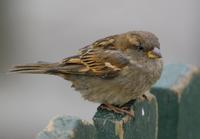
(140, 45)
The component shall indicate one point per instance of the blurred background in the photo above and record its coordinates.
(50, 30)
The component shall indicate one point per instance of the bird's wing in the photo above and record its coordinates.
(99, 59)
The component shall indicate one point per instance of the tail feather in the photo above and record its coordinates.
(37, 68)
(48, 68)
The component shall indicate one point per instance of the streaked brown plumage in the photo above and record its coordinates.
(113, 70)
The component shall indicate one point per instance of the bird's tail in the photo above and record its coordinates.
(36, 68)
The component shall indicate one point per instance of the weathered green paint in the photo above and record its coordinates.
(178, 96)
(108, 125)
(168, 111)
(189, 121)
(67, 127)
(115, 126)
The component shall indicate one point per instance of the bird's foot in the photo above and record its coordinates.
(146, 96)
(121, 110)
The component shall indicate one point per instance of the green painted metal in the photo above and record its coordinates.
(177, 103)
(67, 127)
(178, 95)
(189, 121)
(142, 126)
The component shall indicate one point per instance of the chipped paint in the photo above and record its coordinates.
(104, 122)
(143, 113)
(50, 127)
(86, 122)
(119, 125)
(127, 118)
(119, 129)
(184, 81)
(71, 134)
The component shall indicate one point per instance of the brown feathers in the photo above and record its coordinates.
(35, 68)
(104, 57)
(112, 70)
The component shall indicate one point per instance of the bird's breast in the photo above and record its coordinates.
(129, 84)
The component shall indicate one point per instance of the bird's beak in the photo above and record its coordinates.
(154, 54)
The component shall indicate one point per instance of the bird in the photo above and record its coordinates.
(111, 71)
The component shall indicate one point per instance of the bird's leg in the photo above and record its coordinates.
(120, 110)
(146, 96)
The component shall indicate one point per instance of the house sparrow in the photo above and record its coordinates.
(111, 71)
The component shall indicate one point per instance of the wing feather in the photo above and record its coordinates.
(99, 59)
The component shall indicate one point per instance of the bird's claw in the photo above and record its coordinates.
(119, 110)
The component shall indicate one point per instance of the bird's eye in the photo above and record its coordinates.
(140, 48)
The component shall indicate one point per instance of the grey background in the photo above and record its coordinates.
(49, 30)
